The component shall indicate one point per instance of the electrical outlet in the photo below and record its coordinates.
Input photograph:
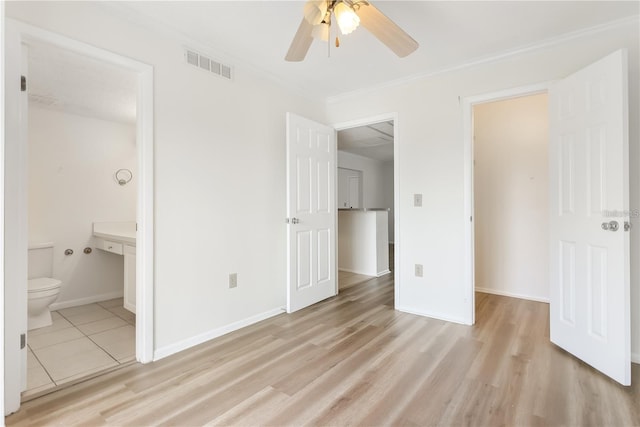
(233, 280)
(418, 271)
(417, 200)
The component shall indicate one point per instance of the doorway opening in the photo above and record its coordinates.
(134, 176)
(511, 198)
(82, 173)
(468, 106)
(366, 202)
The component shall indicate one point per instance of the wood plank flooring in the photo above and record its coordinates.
(353, 360)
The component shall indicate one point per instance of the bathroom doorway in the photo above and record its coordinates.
(80, 186)
(81, 174)
(366, 202)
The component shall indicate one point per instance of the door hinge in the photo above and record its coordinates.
(23, 84)
(23, 341)
(470, 219)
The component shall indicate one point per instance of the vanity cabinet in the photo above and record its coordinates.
(120, 238)
(130, 278)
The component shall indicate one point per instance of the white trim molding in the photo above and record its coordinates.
(2, 144)
(432, 315)
(532, 47)
(511, 294)
(635, 358)
(87, 300)
(168, 350)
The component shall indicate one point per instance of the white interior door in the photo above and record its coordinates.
(311, 212)
(15, 220)
(589, 269)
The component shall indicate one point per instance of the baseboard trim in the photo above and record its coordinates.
(87, 300)
(438, 316)
(356, 272)
(635, 358)
(130, 307)
(383, 273)
(168, 350)
(511, 294)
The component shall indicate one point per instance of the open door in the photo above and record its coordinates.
(311, 212)
(15, 208)
(589, 178)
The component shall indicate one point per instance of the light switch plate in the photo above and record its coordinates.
(418, 270)
(233, 280)
(417, 200)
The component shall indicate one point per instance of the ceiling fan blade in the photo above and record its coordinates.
(301, 42)
(386, 30)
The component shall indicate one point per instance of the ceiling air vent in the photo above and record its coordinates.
(205, 63)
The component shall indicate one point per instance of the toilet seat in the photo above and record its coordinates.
(42, 284)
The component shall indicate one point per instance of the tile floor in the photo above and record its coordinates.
(82, 341)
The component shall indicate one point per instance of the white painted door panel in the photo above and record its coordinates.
(590, 299)
(15, 213)
(311, 209)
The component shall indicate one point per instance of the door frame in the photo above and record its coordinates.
(22, 33)
(396, 191)
(2, 138)
(469, 228)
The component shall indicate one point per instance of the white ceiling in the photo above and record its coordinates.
(374, 141)
(66, 81)
(450, 33)
(258, 34)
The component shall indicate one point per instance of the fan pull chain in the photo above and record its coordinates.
(329, 38)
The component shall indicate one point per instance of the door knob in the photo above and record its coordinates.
(610, 226)
(295, 221)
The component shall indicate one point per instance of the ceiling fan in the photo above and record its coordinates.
(348, 14)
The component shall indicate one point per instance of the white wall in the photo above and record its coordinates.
(377, 182)
(431, 161)
(72, 161)
(219, 174)
(363, 245)
(511, 196)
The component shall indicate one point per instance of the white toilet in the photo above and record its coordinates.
(42, 289)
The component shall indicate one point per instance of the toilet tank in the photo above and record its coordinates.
(40, 260)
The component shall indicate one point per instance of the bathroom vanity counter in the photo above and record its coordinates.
(117, 231)
(119, 237)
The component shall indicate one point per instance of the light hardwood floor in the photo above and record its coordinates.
(353, 360)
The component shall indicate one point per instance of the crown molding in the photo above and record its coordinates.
(511, 53)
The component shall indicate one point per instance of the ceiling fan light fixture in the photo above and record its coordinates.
(315, 11)
(346, 18)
